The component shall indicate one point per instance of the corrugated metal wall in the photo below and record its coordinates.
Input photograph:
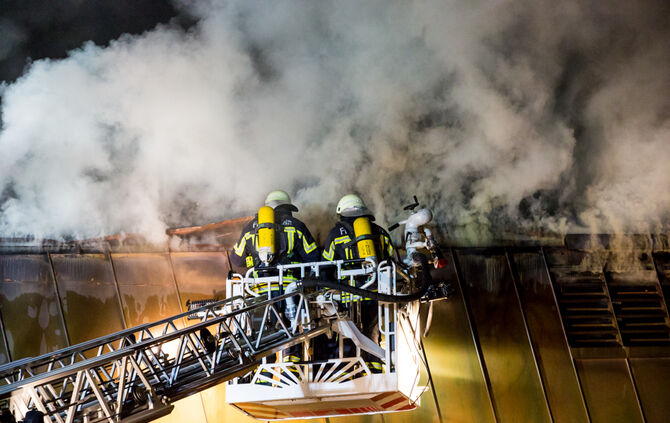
(531, 335)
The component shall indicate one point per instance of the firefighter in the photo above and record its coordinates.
(354, 237)
(295, 243)
(285, 240)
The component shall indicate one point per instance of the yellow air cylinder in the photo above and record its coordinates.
(266, 234)
(366, 247)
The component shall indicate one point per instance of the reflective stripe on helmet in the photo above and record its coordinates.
(351, 205)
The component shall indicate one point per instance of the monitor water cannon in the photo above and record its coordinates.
(416, 236)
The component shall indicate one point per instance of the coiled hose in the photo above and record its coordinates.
(427, 281)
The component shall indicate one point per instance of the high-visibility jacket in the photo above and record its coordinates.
(341, 245)
(295, 244)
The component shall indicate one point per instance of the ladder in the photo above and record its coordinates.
(134, 375)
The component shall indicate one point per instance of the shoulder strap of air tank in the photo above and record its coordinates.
(281, 234)
(349, 227)
(352, 234)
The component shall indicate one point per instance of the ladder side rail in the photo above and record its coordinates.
(87, 387)
(116, 389)
(261, 330)
(85, 346)
(23, 372)
(302, 313)
(148, 342)
(151, 355)
(62, 373)
(31, 365)
(252, 361)
(280, 320)
(122, 392)
(195, 350)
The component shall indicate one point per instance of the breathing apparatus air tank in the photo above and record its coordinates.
(266, 234)
(363, 234)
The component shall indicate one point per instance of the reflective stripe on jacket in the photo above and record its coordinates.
(295, 243)
(339, 246)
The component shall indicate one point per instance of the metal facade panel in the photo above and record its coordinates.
(585, 304)
(608, 390)
(30, 310)
(549, 342)
(88, 294)
(516, 385)
(33, 326)
(200, 275)
(403, 417)
(217, 410)
(452, 355)
(189, 409)
(147, 287)
(4, 354)
(652, 378)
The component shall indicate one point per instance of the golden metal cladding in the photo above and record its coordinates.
(530, 335)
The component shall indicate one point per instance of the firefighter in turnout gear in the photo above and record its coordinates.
(355, 237)
(293, 241)
(275, 237)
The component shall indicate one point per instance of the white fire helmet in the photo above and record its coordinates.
(351, 205)
(279, 198)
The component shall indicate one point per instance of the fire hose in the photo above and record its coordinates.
(427, 282)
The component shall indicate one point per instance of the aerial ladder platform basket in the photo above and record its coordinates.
(344, 384)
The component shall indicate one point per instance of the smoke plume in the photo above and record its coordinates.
(505, 117)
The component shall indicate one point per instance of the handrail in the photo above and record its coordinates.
(108, 384)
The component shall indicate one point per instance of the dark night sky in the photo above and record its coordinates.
(36, 29)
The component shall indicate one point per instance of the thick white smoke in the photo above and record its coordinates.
(505, 117)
